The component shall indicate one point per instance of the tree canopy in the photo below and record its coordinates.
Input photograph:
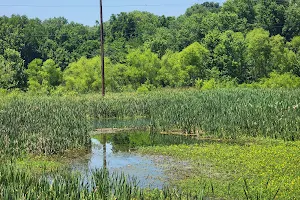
(243, 41)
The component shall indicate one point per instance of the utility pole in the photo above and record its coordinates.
(102, 49)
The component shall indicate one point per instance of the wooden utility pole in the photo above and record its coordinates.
(102, 49)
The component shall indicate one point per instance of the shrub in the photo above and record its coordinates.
(276, 80)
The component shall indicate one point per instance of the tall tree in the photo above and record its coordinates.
(282, 59)
(43, 77)
(142, 67)
(194, 60)
(83, 76)
(243, 8)
(12, 70)
(230, 55)
(270, 15)
(258, 54)
(292, 21)
(172, 72)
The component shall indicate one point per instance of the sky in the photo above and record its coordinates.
(87, 11)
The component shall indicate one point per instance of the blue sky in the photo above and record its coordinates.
(87, 11)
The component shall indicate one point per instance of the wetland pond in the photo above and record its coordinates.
(117, 153)
(120, 158)
(115, 149)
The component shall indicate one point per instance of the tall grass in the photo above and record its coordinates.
(221, 113)
(233, 113)
(51, 125)
(43, 126)
(20, 184)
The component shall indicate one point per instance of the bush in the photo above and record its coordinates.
(215, 84)
(276, 80)
(145, 88)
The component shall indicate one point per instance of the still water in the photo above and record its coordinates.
(116, 151)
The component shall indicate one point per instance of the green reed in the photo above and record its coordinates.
(20, 184)
(51, 125)
(219, 113)
(233, 113)
(43, 126)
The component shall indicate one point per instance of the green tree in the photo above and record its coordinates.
(142, 67)
(116, 79)
(295, 44)
(172, 72)
(197, 9)
(294, 57)
(223, 21)
(62, 57)
(33, 39)
(117, 50)
(89, 48)
(276, 80)
(183, 68)
(230, 21)
(270, 15)
(83, 76)
(243, 8)
(230, 57)
(12, 33)
(282, 59)
(43, 77)
(12, 70)
(194, 60)
(258, 54)
(292, 21)
(212, 39)
(185, 31)
(161, 42)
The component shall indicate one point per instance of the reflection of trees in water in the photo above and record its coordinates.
(104, 151)
(120, 142)
(126, 141)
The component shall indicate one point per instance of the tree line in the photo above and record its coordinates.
(242, 42)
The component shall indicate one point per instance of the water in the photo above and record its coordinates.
(120, 158)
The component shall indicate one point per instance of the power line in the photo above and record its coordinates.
(94, 6)
(107, 6)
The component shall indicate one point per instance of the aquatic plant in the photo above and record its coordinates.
(43, 126)
(51, 125)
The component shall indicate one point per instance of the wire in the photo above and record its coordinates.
(109, 6)
(92, 6)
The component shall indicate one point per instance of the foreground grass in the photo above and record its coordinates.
(17, 183)
(262, 170)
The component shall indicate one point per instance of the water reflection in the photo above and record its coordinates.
(104, 152)
(115, 152)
